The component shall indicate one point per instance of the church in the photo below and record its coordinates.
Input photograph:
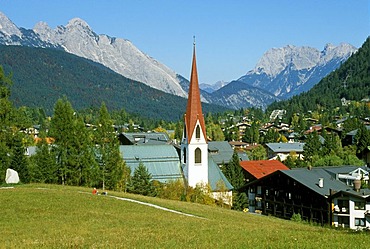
(197, 165)
(193, 162)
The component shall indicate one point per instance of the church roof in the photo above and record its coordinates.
(194, 106)
(215, 176)
(162, 161)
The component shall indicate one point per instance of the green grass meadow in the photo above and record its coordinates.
(51, 216)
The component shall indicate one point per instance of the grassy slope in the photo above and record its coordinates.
(63, 217)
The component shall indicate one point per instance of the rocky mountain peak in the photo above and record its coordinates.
(77, 22)
(8, 27)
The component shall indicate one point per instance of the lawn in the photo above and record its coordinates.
(52, 216)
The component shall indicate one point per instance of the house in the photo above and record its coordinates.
(241, 129)
(259, 168)
(304, 191)
(350, 137)
(282, 150)
(220, 151)
(238, 145)
(351, 209)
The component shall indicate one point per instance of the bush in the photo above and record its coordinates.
(296, 217)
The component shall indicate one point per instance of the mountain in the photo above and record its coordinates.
(280, 73)
(350, 81)
(210, 88)
(78, 38)
(237, 95)
(42, 75)
(290, 70)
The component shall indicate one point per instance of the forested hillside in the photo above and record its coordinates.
(42, 76)
(350, 81)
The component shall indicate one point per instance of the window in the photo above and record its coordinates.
(359, 205)
(343, 221)
(197, 132)
(184, 155)
(198, 155)
(360, 222)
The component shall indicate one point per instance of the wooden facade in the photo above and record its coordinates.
(281, 196)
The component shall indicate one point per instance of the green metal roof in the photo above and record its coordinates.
(215, 176)
(220, 151)
(162, 161)
(285, 147)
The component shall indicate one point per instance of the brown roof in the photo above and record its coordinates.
(261, 168)
(194, 106)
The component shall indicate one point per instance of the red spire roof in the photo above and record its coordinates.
(194, 107)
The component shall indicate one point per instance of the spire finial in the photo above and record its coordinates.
(194, 40)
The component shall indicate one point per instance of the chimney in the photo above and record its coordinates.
(357, 185)
(321, 182)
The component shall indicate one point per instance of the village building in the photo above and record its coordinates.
(283, 150)
(316, 194)
(257, 169)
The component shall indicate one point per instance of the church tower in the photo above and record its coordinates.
(194, 146)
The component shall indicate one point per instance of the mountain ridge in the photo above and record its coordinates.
(43, 75)
(290, 70)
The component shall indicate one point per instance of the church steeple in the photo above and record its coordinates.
(194, 146)
(194, 106)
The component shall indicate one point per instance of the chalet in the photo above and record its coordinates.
(241, 129)
(351, 209)
(283, 150)
(238, 144)
(307, 192)
(259, 168)
(349, 138)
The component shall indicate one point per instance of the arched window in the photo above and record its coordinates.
(184, 155)
(197, 132)
(198, 155)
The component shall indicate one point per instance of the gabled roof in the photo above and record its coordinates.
(215, 176)
(285, 147)
(261, 168)
(310, 179)
(194, 106)
(162, 161)
(145, 138)
(220, 151)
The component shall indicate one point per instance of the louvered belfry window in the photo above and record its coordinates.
(197, 132)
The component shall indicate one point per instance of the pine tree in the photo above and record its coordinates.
(234, 172)
(73, 145)
(362, 139)
(312, 146)
(61, 127)
(44, 166)
(141, 181)
(6, 110)
(112, 168)
(19, 161)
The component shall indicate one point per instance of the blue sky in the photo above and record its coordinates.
(231, 35)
